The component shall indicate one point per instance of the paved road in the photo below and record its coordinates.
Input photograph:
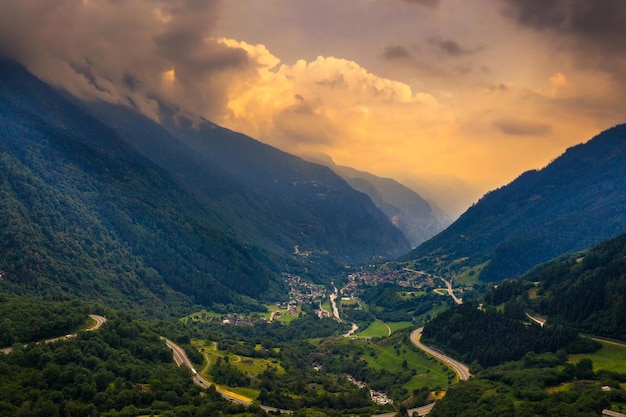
(99, 322)
(538, 320)
(460, 369)
(456, 299)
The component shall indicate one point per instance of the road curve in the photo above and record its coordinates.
(99, 322)
(461, 370)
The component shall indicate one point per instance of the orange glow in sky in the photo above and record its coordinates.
(453, 98)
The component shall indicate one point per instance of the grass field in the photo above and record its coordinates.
(611, 358)
(399, 325)
(429, 372)
(376, 329)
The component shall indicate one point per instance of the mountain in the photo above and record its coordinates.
(575, 202)
(261, 195)
(147, 215)
(84, 214)
(418, 219)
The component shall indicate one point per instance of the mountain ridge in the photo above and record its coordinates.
(571, 204)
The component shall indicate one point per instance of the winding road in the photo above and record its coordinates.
(460, 369)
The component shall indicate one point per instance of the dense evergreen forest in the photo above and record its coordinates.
(587, 290)
(30, 319)
(386, 303)
(489, 337)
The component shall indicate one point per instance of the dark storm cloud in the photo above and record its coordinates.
(394, 52)
(145, 50)
(592, 32)
(597, 23)
(517, 127)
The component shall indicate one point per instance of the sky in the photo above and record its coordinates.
(451, 97)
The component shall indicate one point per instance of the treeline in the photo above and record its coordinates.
(489, 337)
(123, 369)
(521, 389)
(31, 319)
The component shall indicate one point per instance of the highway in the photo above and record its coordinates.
(461, 370)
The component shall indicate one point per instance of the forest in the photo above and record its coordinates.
(488, 336)
(538, 385)
(123, 369)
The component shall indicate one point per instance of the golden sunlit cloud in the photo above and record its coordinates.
(169, 76)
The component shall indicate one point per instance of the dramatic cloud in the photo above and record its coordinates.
(593, 31)
(139, 51)
(468, 94)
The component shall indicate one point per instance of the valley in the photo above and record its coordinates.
(239, 280)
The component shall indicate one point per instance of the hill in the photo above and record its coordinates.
(418, 219)
(573, 203)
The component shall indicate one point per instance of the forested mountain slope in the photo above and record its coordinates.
(586, 290)
(82, 213)
(573, 203)
(261, 194)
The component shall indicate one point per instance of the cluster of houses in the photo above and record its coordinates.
(400, 277)
(301, 292)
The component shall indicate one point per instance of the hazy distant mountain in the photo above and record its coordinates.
(418, 219)
(574, 203)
